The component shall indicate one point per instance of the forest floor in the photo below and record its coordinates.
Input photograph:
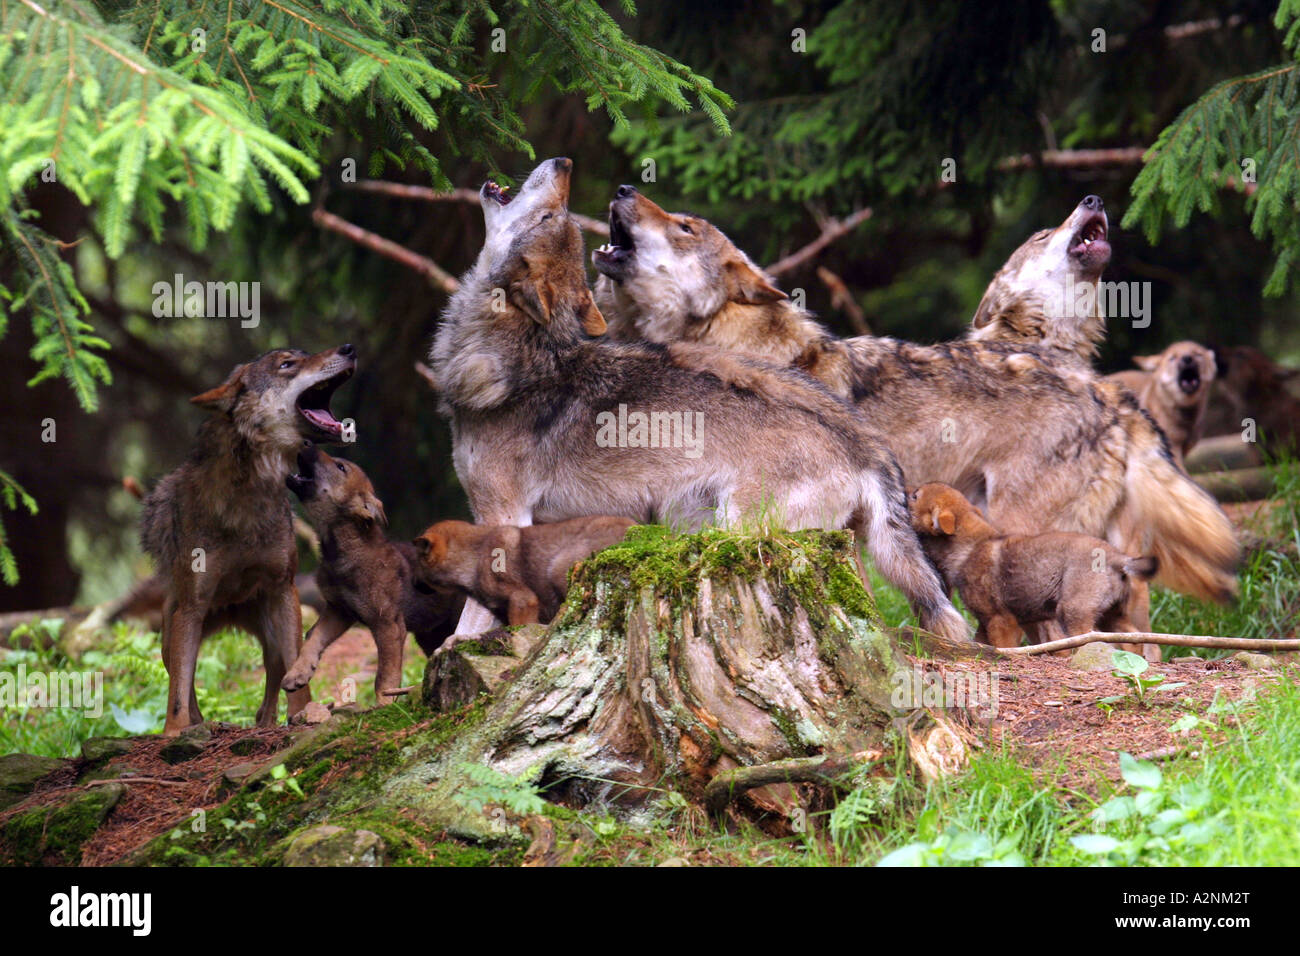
(1047, 735)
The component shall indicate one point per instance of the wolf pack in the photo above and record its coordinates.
(1001, 466)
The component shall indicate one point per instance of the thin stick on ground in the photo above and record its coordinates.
(1144, 637)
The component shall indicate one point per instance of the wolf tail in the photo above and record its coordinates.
(881, 523)
(1168, 516)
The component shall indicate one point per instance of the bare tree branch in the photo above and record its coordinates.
(832, 229)
(842, 298)
(425, 194)
(435, 273)
(1074, 158)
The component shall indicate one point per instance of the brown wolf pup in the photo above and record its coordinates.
(1174, 388)
(1071, 583)
(550, 423)
(220, 528)
(363, 576)
(519, 574)
(1027, 431)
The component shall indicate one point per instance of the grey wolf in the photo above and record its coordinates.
(1049, 291)
(523, 381)
(519, 574)
(1255, 387)
(1025, 430)
(1068, 583)
(220, 528)
(363, 577)
(1174, 388)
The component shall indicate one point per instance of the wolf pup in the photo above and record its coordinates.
(519, 574)
(1072, 583)
(549, 423)
(220, 528)
(1027, 430)
(1174, 388)
(363, 576)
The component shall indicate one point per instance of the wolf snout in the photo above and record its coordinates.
(625, 191)
(1093, 202)
(348, 350)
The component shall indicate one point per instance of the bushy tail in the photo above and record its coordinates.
(881, 523)
(1169, 516)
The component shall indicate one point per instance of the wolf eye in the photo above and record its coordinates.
(339, 466)
(687, 229)
(547, 216)
(287, 363)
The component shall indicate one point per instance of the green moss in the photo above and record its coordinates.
(57, 833)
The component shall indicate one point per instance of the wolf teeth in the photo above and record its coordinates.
(607, 247)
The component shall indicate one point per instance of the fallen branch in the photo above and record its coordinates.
(157, 780)
(832, 229)
(827, 769)
(425, 194)
(1239, 484)
(1144, 637)
(386, 247)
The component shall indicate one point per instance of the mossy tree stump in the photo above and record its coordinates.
(680, 661)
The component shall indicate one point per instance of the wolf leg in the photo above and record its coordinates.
(328, 628)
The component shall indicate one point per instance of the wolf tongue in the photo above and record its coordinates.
(320, 417)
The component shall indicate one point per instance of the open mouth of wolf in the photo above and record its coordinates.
(620, 247)
(498, 194)
(303, 482)
(314, 406)
(1090, 243)
(1189, 379)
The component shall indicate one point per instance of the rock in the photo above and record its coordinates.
(1093, 657)
(1256, 662)
(111, 772)
(186, 745)
(100, 749)
(314, 713)
(236, 775)
(456, 675)
(19, 774)
(675, 861)
(328, 845)
(57, 833)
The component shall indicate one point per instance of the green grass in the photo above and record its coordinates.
(229, 683)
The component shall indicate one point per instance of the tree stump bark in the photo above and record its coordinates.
(680, 658)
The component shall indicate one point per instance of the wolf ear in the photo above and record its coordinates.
(432, 546)
(535, 299)
(748, 286)
(368, 509)
(1147, 363)
(593, 323)
(983, 314)
(222, 398)
(943, 520)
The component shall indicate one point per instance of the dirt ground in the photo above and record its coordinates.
(1048, 714)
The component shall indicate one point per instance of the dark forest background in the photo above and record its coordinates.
(861, 114)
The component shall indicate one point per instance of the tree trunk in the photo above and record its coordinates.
(677, 659)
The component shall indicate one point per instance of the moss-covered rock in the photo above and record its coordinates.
(97, 750)
(328, 845)
(19, 774)
(56, 833)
